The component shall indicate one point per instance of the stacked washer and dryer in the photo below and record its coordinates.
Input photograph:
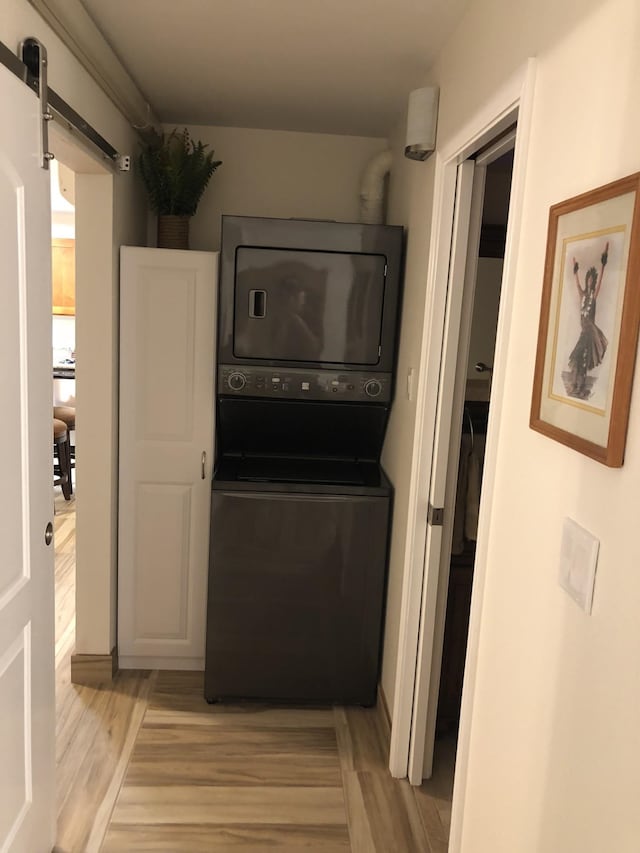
(301, 507)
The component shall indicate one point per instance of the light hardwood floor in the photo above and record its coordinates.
(95, 728)
(146, 764)
(434, 796)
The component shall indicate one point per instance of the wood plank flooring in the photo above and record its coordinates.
(247, 777)
(95, 727)
(146, 764)
(434, 796)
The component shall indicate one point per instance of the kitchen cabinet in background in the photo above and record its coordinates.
(63, 274)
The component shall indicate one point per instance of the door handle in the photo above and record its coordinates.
(204, 463)
(48, 534)
(257, 304)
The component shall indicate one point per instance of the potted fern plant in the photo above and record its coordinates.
(175, 171)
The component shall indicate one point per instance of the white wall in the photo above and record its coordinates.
(63, 334)
(554, 734)
(97, 395)
(279, 173)
(411, 191)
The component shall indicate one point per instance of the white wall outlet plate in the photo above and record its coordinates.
(410, 374)
(578, 561)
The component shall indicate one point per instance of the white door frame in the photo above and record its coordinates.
(513, 100)
(96, 454)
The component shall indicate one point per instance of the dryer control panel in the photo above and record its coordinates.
(297, 384)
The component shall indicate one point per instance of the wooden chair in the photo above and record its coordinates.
(68, 415)
(61, 451)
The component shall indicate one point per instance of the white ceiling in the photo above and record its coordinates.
(327, 66)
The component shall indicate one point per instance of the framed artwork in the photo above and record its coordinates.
(589, 321)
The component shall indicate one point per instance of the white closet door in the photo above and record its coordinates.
(167, 374)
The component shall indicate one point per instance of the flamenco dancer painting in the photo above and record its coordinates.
(592, 343)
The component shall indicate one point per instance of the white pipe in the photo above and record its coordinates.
(372, 191)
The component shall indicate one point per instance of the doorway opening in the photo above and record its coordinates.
(77, 238)
(63, 350)
(455, 237)
(445, 392)
(476, 349)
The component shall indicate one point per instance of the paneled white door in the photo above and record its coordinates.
(27, 687)
(167, 377)
(443, 477)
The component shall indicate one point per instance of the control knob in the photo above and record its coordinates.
(373, 388)
(236, 381)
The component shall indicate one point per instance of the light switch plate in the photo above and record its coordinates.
(410, 373)
(578, 561)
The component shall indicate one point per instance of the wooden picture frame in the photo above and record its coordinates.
(589, 319)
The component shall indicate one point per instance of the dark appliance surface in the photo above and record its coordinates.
(300, 508)
(308, 306)
(296, 594)
(292, 428)
(308, 293)
(288, 473)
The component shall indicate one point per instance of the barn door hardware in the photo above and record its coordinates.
(36, 54)
(32, 67)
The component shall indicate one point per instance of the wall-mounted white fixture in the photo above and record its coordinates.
(422, 120)
(578, 560)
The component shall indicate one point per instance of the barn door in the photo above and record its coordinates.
(27, 703)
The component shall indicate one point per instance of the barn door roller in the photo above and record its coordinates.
(38, 54)
(31, 67)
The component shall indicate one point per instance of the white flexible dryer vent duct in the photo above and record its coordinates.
(373, 186)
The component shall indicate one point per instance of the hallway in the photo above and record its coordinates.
(250, 776)
(147, 764)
